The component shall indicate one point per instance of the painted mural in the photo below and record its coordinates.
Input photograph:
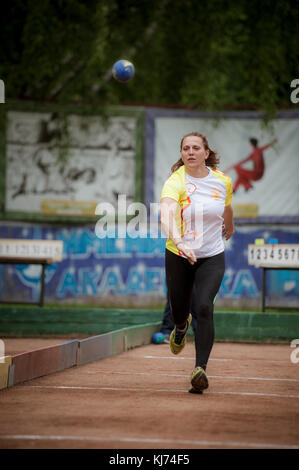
(262, 161)
(100, 161)
(101, 168)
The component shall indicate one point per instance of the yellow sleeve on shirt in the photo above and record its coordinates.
(229, 195)
(175, 189)
(228, 184)
(171, 189)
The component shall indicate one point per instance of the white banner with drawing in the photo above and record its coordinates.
(99, 164)
(263, 162)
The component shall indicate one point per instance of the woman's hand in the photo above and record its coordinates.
(228, 228)
(227, 233)
(187, 251)
(169, 227)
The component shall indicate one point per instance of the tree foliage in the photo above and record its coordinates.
(212, 54)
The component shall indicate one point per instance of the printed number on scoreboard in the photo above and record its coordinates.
(276, 255)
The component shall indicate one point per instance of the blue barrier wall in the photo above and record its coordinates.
(100, 270)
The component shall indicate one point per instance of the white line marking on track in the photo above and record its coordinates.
(263, 360)
(274, 379)
(163, 390)
(133, 439)
(233, 377)
(182, 358)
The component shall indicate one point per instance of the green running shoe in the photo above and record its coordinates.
(178, 339)
(199, 380)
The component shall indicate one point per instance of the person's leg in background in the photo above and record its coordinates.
(167, 323)
(193, 313)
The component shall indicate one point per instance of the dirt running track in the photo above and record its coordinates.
(140, 400)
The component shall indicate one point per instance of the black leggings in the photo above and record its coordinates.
(205, 277)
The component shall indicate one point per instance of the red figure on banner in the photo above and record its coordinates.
(245, 176)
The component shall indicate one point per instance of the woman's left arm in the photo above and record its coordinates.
(228, 228)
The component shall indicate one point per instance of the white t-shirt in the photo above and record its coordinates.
(201, 203)
(203, 216)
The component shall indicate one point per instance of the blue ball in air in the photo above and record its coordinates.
(123, 70)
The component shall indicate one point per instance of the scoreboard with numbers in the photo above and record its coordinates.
(276, 256)
(21, 251)
(31, 249)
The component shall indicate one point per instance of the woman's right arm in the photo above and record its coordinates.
(168, 208)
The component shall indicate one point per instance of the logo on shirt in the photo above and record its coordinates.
(190, 188)
(216, 193)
